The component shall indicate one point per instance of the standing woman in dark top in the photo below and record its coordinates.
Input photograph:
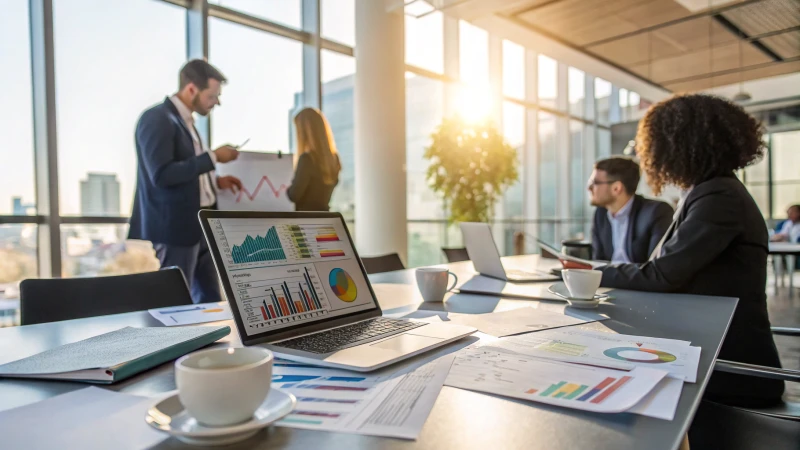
(317, 169)
(718, 242)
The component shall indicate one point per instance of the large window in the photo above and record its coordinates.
(131, 69)
(602, 98)
(425, 42)
(16, 126)
(264, 78)
(576, 85)
(339, 21)
(513, 70)
(548, 166)
(785, 150)
(338, 74)
(577, 177)
(424, 112)
(17, 257)
(285, 12)
(548, 81)
(91, 250)
(473, 54)
(514, 132)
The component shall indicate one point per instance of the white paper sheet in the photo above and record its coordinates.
(191, 314)
(616, 351)
(662, 402)
(392, 404)
(516, 321)
(568, 385)
(90, 418)
(265, 177)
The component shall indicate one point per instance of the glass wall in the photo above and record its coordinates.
(785, 155)
(266, 76)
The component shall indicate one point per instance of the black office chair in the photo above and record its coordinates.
(53, 299)
(455, 254)
(383, 263)
(718, 426)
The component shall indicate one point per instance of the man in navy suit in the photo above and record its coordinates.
(627, 227)
(176, 178)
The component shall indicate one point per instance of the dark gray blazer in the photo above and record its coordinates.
(307, 191)
(718, 245)
(649, 220)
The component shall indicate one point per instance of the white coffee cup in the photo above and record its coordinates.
(582, 283)
(224, 386)
(432, 283)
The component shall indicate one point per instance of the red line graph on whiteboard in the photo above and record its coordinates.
(264, 180)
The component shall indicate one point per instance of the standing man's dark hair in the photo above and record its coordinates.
(198, 72)
(622, 169)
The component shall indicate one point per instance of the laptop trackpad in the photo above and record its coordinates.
(407, 343)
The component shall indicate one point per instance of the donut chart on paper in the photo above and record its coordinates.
(640, 355)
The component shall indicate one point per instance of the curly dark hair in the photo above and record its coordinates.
(688, 139)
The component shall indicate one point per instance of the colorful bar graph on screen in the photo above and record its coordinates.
(327, 234)
(331, 253)
(264, 313)
(271, 311)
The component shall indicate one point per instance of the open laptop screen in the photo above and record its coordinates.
(289, 272)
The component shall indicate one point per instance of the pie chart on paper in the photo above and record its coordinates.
(640, 355)
(342, 285)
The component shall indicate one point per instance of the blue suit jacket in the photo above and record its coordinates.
(168, 180)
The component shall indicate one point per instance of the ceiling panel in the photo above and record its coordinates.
(670, 44)
(770, 70)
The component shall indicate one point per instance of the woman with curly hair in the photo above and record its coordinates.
(718, 242)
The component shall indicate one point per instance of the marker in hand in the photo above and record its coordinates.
(243, 143)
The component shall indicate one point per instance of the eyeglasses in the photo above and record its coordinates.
(597, 183)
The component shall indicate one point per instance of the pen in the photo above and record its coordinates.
(243, 143)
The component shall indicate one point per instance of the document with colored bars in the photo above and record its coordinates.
(568, 385)
(285, 273)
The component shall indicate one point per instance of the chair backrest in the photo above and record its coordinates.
(383, 263)
(54, 299)
(455, 254)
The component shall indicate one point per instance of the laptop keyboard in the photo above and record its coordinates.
(349, 336)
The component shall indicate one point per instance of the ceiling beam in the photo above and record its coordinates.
(739, 33)
(710, 12)
(729, 71)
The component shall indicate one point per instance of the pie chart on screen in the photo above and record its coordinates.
(342, 285)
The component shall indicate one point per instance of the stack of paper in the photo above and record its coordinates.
(393, 403)
(677, 360)
(173, 316)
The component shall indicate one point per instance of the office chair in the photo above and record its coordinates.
(383, 263)
(455, 254)
(54, 299)
(718, 426)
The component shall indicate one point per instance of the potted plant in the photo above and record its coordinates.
(471, 165)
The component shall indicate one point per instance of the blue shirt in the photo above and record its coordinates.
(619, 233)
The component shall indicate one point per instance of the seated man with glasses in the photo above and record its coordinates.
(627, 227)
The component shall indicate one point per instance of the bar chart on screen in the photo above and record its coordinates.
(280, 295)
(311, 241)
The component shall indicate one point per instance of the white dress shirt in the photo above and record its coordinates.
(619, 232)
(790, 230)
(208, 194)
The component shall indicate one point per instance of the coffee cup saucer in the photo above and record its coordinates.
(560, 290)
(169, 415)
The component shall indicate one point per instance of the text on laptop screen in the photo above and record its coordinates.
(287, 272)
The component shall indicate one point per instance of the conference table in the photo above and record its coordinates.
(791, 251)
(459, 419)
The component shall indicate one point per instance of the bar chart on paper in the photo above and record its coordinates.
(281, 295)
(580, 387)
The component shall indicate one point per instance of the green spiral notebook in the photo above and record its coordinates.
(114, 356)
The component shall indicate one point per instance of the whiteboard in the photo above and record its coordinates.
(265, 178)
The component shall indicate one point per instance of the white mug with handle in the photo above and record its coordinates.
(432, 283)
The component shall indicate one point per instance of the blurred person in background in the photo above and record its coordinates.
(317, 168)
(789, 230)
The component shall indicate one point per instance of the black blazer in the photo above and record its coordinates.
(168, 180)
(649, 220)
(718, 245)
(307, 191)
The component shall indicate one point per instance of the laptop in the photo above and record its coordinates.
(296, 285)
(485, 257)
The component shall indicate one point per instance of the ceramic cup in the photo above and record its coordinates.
(582, 284)
(432, 283)
(224, 386)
